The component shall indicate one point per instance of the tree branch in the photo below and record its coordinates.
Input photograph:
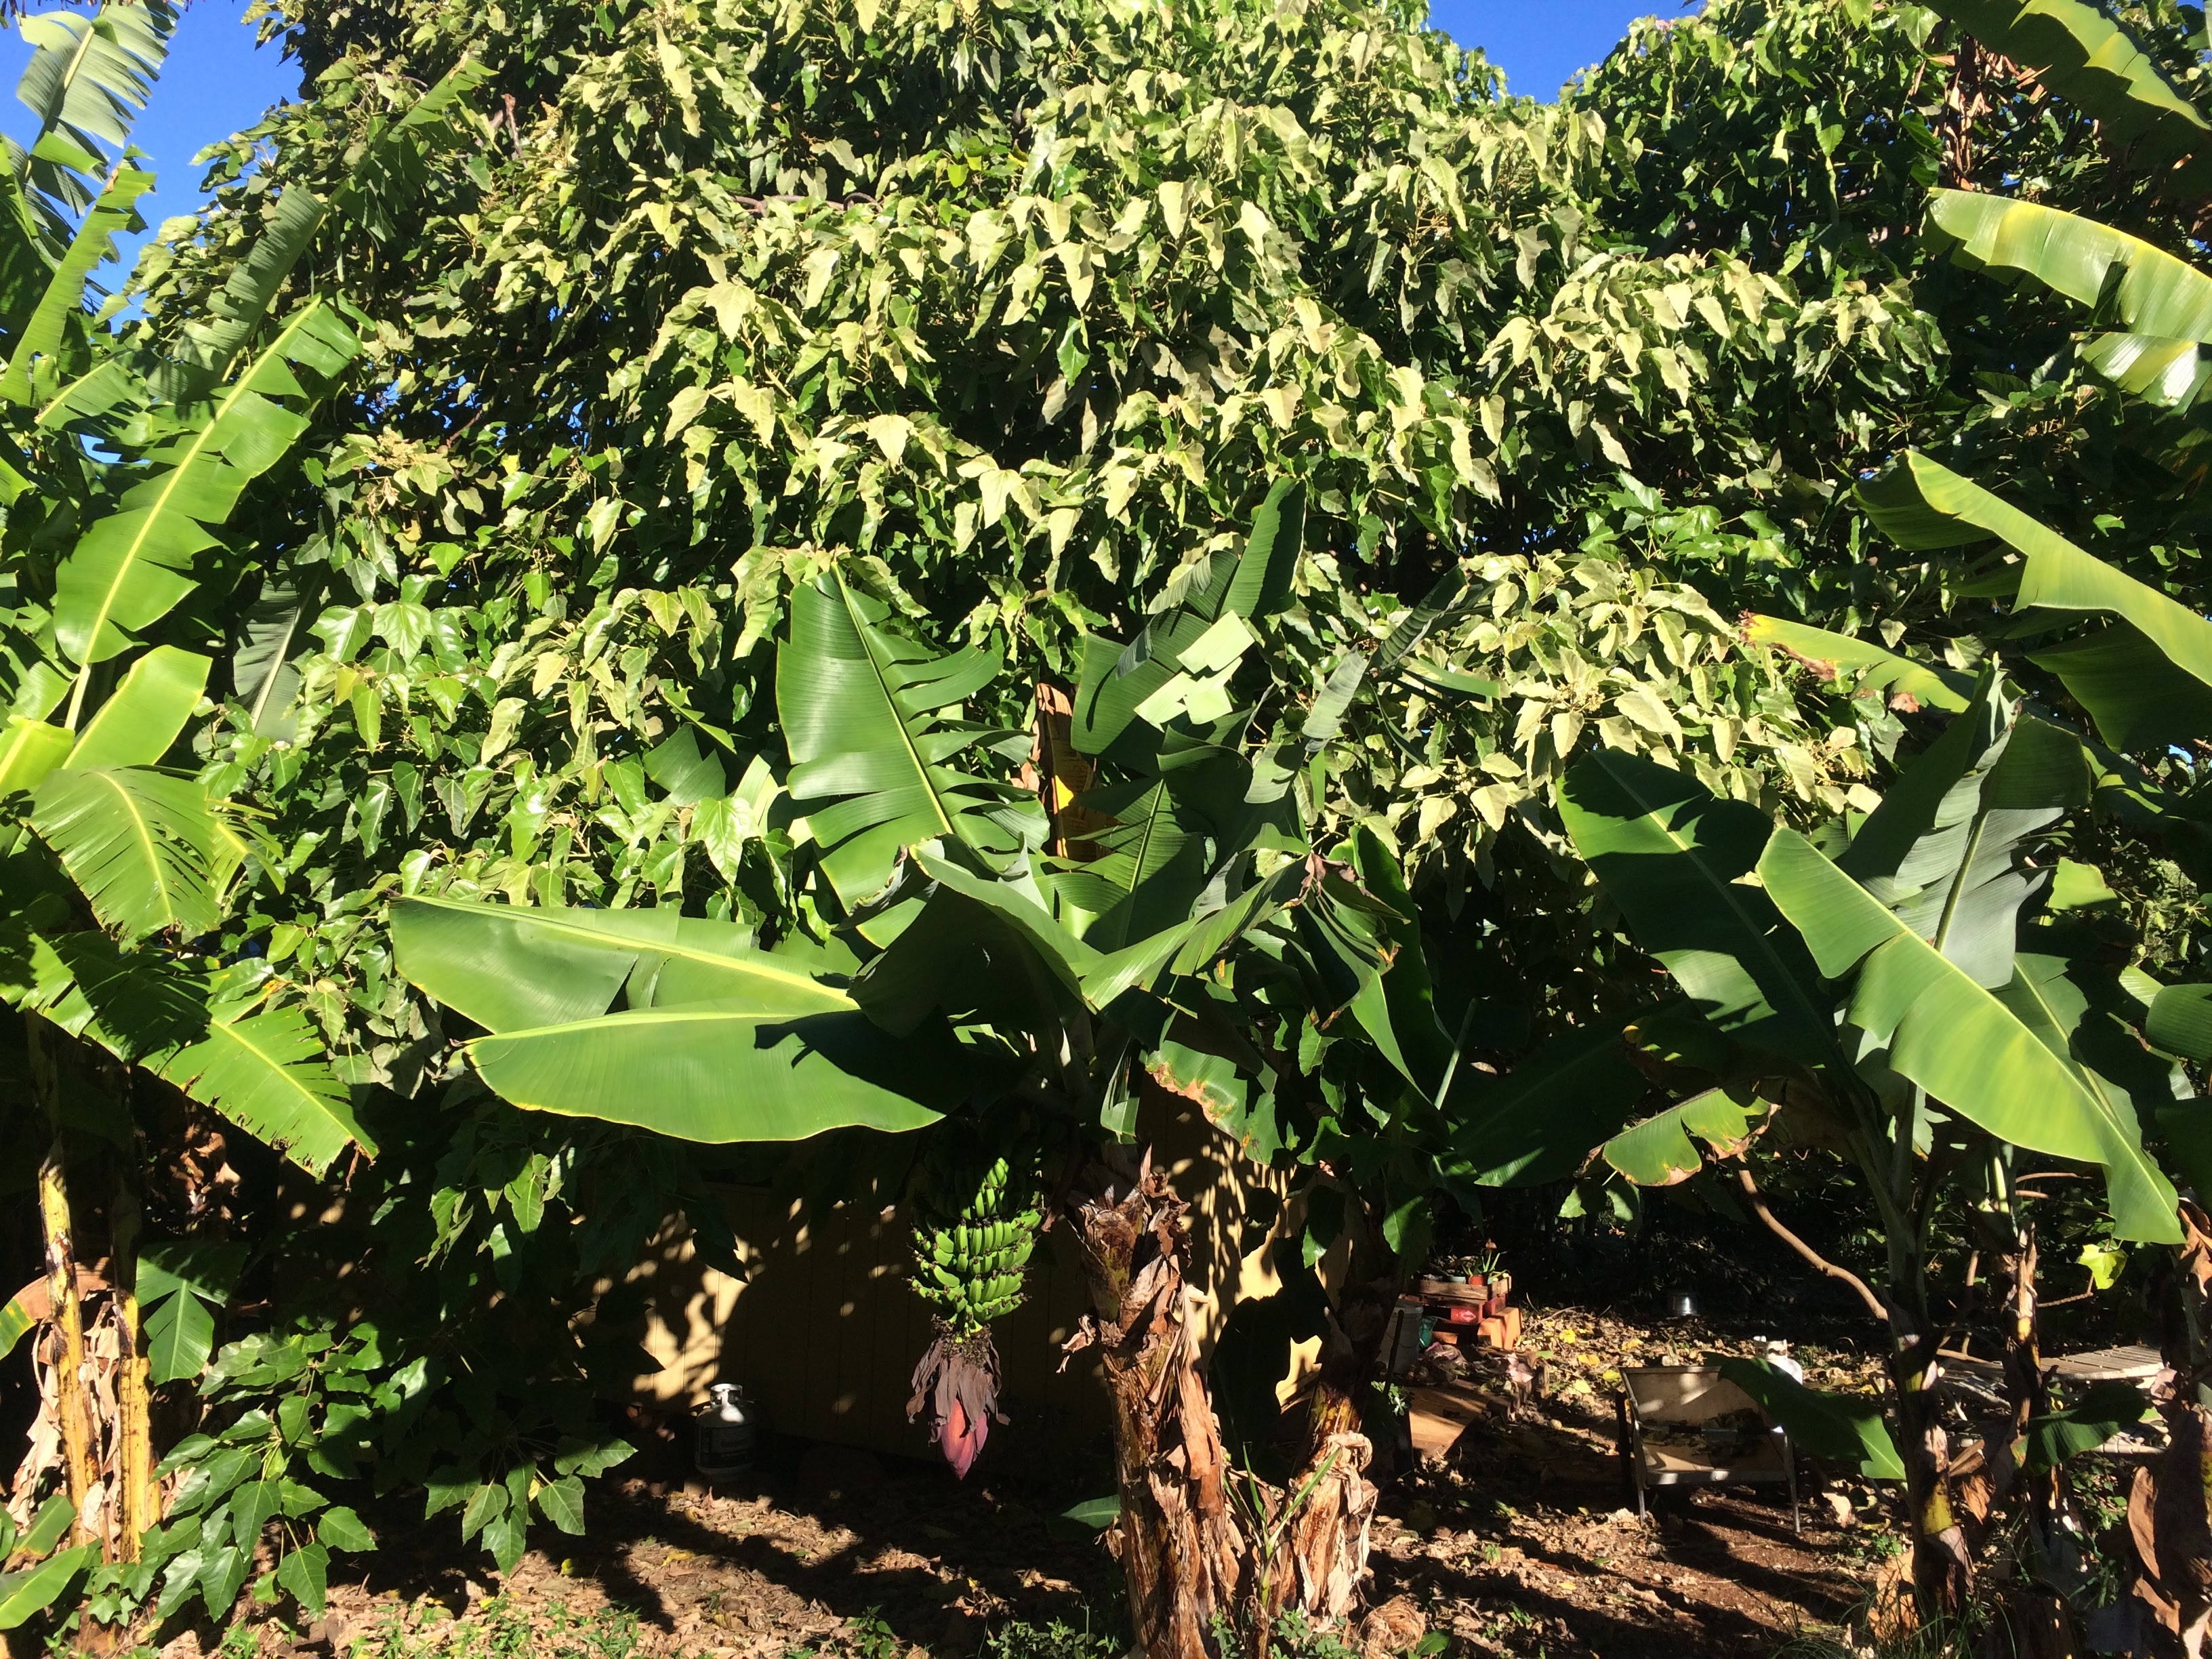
(1759, 1205)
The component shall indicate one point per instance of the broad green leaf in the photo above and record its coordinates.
(2139, 697)
(342, 1529)
(1262, 585)
(1673, 856)
(264, 677)
(979, 946)
(1874, 668)
(2156, 293)
(144, 715)
(2171, 374)
(15, 1323)
(29, 749)
(1950, 849)
(1658, 1152)
(137, 842)
(719, 1075)
(1920, 503)
(179, 1335)
(2181, 1021)
(864, 713)
(130, 567)
(304, 1574)
(2105, 1409)
(1954, 1038)
(1407, 994)
(2079, 52)
(46, 330)
(512, 968)
(1541, 1120)
(1095, 1513)
(87, 79)
(1843, 1428)
(561, 1502)
(35, 1589)
(268, 1073)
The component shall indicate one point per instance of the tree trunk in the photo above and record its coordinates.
(72, 1401)
(1184, 1556)
(135, 1506)
(1321, 1541)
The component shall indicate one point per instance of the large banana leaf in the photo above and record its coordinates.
(45, 330)
(2157, 293)
(29, 749)
(130, 567)
(1949, 850)
(137, 842)
(145, 714)
(1920, 503)
(1673, 856)
(980, 948)
(1658, 1152)
(268, 1073)
(1539, 1123)
(1180, 662)
(1954, 1038)
(87, 80)
(719, 1075)
(864, 709)
(2079, 52)
(2045, 995)
(721, 1042)
(512, 968)
(1876, 669)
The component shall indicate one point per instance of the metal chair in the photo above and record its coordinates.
(1671, 1435)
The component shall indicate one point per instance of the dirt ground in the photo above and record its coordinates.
(1519, 1544)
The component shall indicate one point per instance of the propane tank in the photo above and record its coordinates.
(726, 1433)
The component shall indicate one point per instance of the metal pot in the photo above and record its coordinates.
(1682, 1305)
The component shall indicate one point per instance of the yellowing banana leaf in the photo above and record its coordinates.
(138, 843)
(1875, 668)
(2158, 294)
(870, 717)
(1658, 1152)
(2079, 52)
(718, 1074)
(514, 967)
(268, 1072)
(1957, 1040)
(145, 714)
(2171, 374)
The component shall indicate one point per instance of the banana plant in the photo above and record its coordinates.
(1003, 973)
(1881, 994)
(118, 471)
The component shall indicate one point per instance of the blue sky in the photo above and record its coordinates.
(216, 81)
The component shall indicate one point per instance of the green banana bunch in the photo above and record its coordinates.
(976, 1220)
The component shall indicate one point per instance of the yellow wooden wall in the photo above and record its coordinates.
(823, 1332)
